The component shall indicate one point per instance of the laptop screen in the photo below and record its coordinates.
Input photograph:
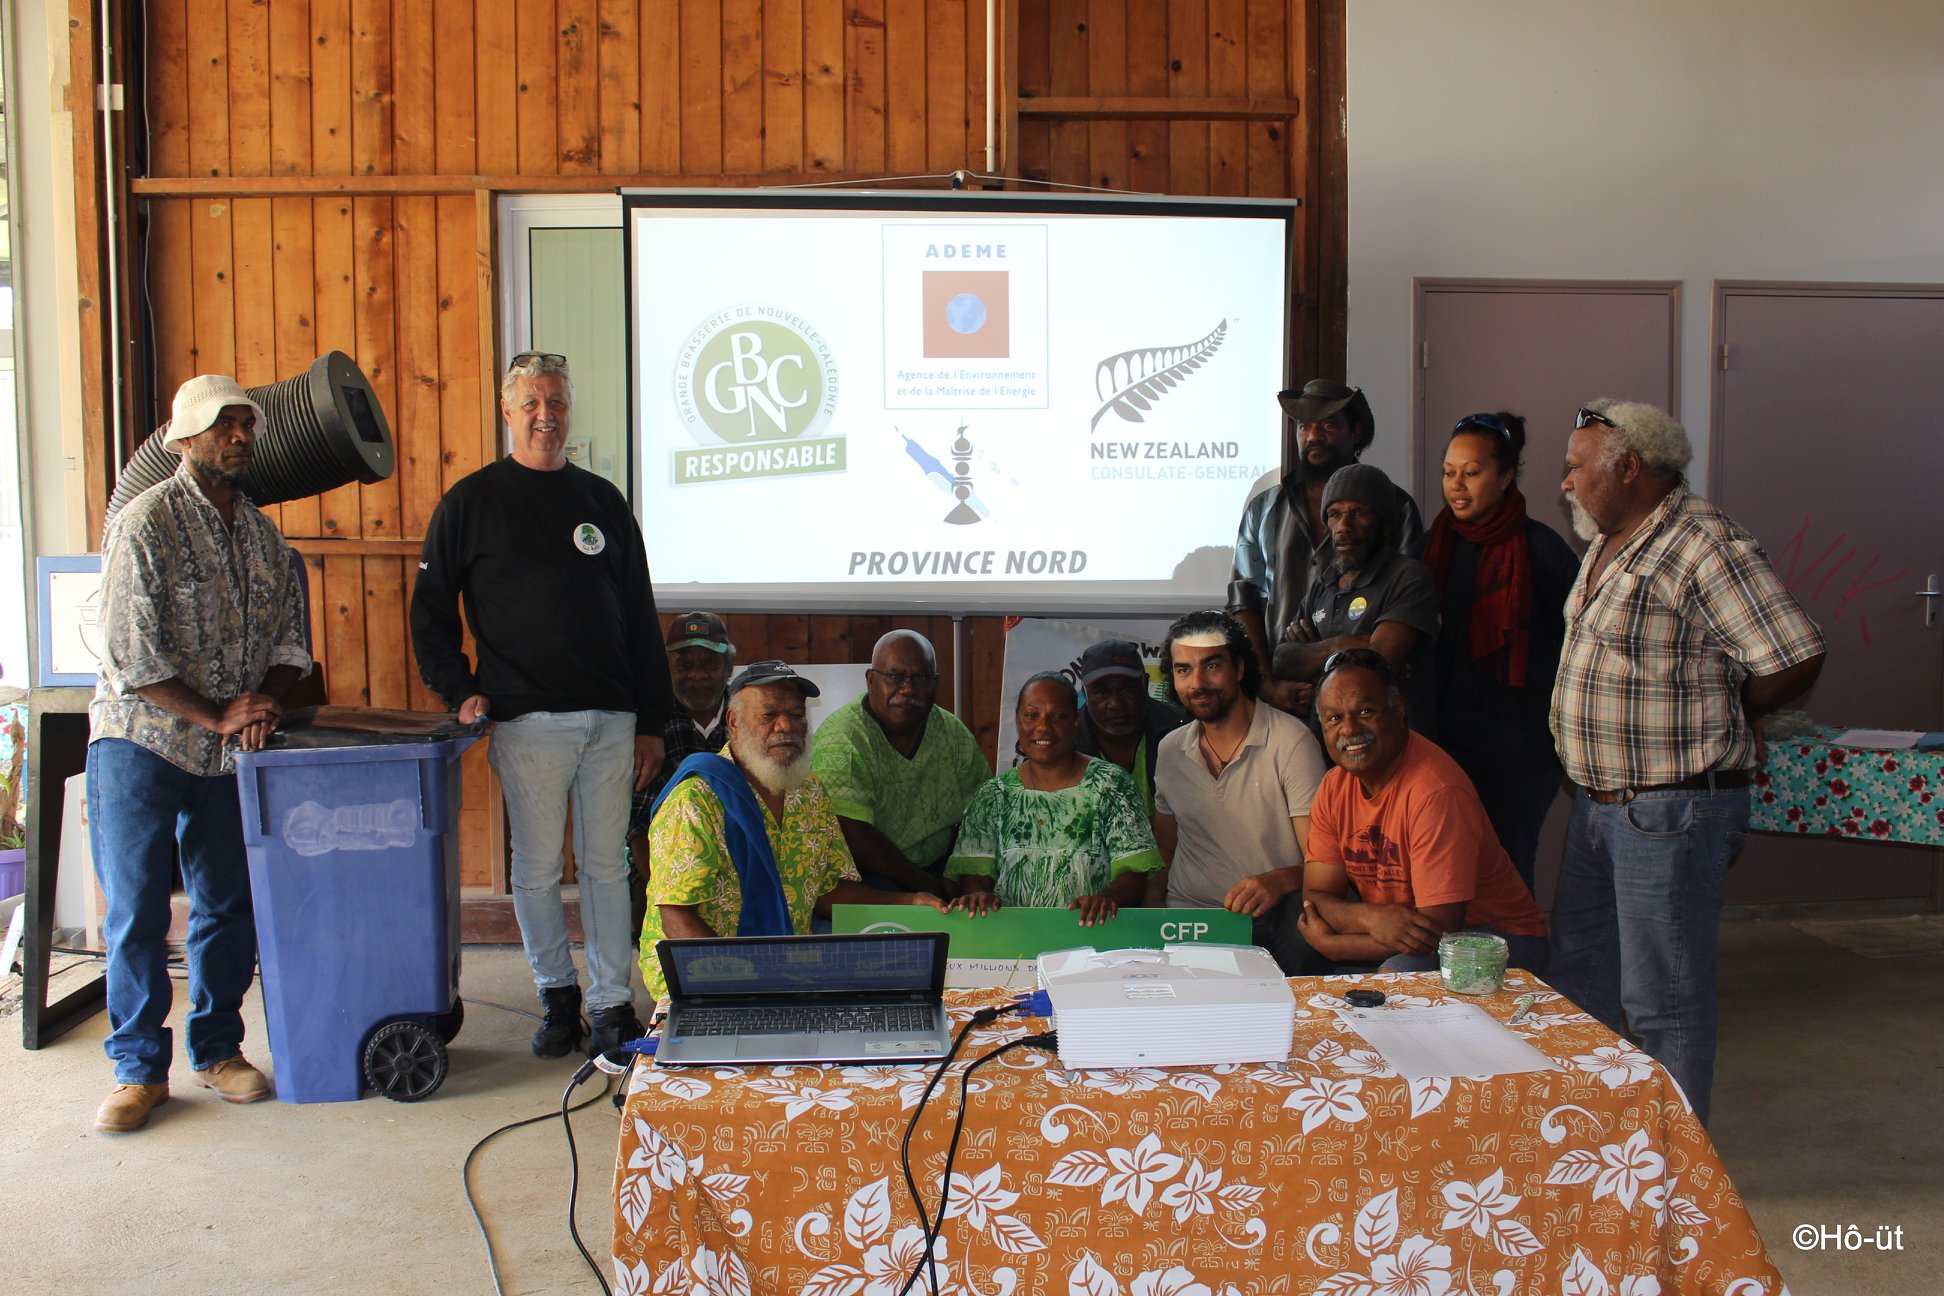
(874, 963)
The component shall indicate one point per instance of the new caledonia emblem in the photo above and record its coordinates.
(755, 387)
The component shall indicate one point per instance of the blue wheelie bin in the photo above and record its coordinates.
(354, 870)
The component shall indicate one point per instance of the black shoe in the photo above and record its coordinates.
(612, 1027)
(560, 1030)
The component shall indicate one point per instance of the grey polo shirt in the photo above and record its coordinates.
(1391, 587)
(1235, 825)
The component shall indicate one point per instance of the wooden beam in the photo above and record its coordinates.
(404, 186)
(1161, 108)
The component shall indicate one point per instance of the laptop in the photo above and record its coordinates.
(874, 997)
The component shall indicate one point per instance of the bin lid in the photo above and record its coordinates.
(315, 728)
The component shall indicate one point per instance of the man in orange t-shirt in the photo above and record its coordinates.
(1400, 820)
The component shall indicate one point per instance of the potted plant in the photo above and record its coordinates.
(13, 834)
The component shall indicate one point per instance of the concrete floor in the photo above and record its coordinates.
(1827, 1113)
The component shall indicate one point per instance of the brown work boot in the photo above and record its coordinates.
(235, 1080)
(127, 1108)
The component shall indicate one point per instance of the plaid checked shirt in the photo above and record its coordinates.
(1650, 679)
(681, 739)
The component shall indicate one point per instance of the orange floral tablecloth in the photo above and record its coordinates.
(1326, 1174)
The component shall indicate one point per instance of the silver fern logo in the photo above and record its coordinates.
(1130, 383)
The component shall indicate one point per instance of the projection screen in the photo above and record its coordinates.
(951, 402)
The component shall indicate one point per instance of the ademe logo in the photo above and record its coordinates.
(754, 385)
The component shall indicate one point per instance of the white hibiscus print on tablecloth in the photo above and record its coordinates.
(1486, 1209)
(1614, 1065)
(1125, 1080)
(975, 1196)
(1320, 1100)
(718, 1273)
(1137, 1171)
(1630, 1166)
(1420, 1267)
(1089, 1277)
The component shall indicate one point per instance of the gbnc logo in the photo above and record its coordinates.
(750, 382)
(755, 373)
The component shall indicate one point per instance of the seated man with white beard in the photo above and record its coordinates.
(746, 842)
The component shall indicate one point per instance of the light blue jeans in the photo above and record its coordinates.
(549, 761)
(1636, 923)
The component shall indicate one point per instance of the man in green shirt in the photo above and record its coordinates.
(899, 770)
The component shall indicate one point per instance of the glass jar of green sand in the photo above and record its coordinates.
(1473, 962)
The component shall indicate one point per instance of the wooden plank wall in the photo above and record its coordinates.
(321, 175)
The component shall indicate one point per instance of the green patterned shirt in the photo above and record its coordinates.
(1047, 849)
(915, 802)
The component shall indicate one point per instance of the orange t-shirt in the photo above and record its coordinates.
(1422, 841)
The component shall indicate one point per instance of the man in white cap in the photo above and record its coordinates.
(202, 635)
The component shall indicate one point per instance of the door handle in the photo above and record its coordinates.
(1930, 594)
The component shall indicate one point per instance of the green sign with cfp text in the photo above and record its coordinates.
(1029, 933)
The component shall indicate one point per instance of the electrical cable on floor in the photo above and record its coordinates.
(488, 1003)
(465, 1171)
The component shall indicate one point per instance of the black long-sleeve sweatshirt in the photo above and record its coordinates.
(554, 579)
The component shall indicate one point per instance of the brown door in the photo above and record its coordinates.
(1825, 447)
(1540, 349)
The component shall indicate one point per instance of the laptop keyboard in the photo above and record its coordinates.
(818, 1020)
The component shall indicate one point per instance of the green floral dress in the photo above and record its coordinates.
(1047, 849)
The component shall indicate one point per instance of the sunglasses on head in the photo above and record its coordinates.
(1368, 658)
(1489, 422)
(1587, 416)
(544, 357)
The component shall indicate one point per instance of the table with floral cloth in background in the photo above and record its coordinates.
(1325, 1174)
(1811, 786)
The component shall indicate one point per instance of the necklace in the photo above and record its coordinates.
(1220, 761)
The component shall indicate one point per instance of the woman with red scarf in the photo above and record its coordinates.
(1502, 583)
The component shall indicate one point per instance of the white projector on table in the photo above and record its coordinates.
(1183, 1005)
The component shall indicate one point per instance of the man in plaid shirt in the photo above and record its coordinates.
(1679, 639)
(700, 661)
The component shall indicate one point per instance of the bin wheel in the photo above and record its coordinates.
(447, 1024)
(405, 1061)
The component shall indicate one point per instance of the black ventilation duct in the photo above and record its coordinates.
(322, 428)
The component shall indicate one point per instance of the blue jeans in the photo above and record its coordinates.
(1637, 921)
(140, 808)
(548, 761)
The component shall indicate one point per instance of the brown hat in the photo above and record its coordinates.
(698, 630)
(1319, 399)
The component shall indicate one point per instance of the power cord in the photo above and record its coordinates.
(465, 1177)
(933, 1226)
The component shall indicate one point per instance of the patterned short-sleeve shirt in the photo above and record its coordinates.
(185, 597)
(692, 866)
(1650, 678)
(1048, 849)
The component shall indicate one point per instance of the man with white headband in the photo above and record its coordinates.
(203, 635)
(1232, 788)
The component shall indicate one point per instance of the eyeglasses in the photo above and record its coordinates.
(898, 679)
(548, 359)
(1490, 422)
(1586, 416)
(1368, 658)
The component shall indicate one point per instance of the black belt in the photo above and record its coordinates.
(1716, 781)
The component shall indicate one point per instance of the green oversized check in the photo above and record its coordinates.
(1028, 933)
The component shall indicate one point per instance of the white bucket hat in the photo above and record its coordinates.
(200, 400)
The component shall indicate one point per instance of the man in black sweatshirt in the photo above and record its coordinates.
(549, 564)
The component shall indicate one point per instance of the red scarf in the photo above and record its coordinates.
(1501, 610)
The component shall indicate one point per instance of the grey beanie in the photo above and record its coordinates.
(1366, 484)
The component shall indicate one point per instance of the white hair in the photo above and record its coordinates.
(1647, 430)
(533, 364)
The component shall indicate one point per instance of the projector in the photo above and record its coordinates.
(1182, 1005)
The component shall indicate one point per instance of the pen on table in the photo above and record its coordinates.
(1521, 1008)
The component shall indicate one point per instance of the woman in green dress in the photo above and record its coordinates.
(1058, 830)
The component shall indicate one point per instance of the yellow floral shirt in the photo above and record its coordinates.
(691, 866)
